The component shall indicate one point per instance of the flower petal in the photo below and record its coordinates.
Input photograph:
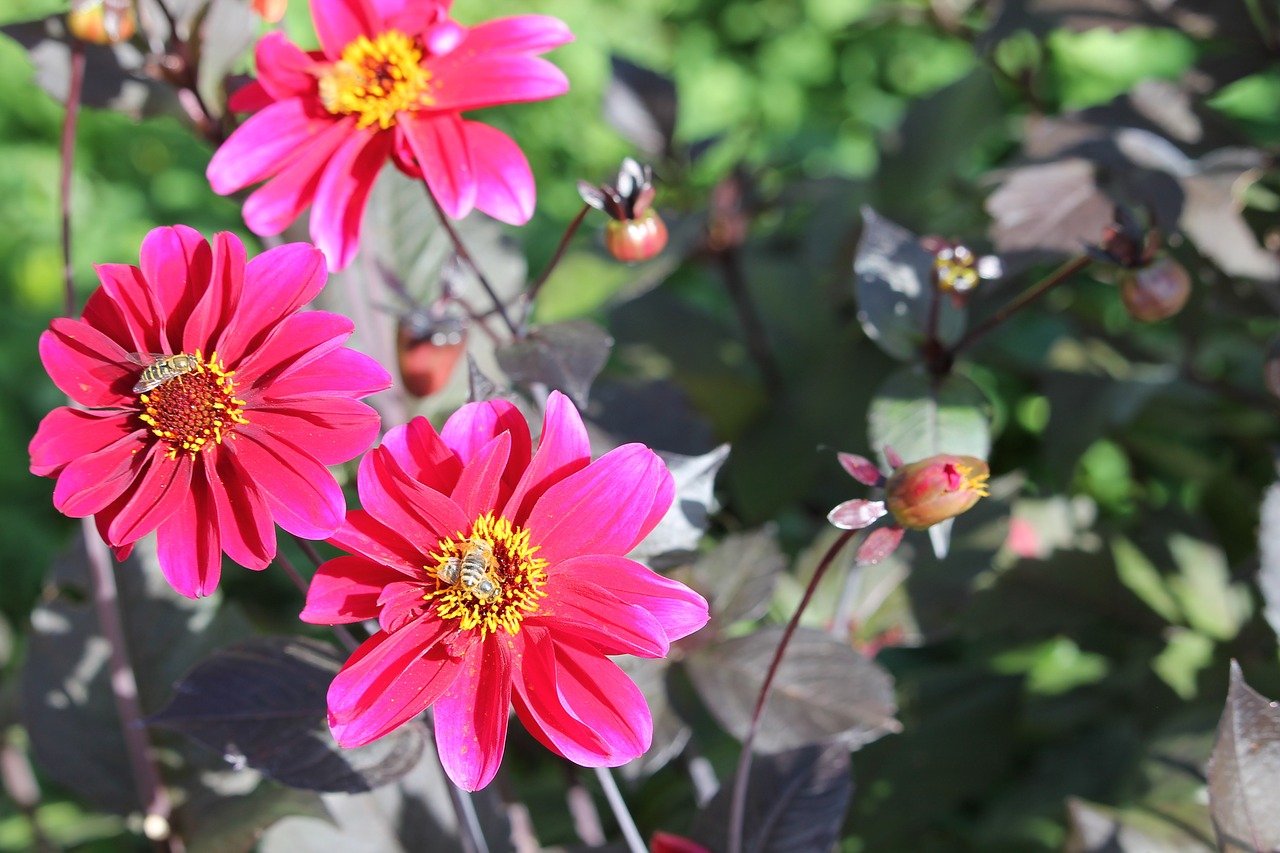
(177, 263)
(266, 144)
(439, 146)
(605, 508)
(472, 82)
(346, 589)
(563, 449)
(470, 428)
(248, 530)
(340, 22)
(423, 455)
(276, 284)
(304, 498)
(420, 514)
(680, 610)
(278, 202)
(365, 536)
(157, 495)
(338, 207)
(389, 680)
(294, 342)
(91, 482)
(477, 489)
(592, 613)
(471, 716)
(217, 297)
(504, 183)
(856, 514)
(66, 434)
(400, 603)
(188, 547)
(342, 372)
(87, 366)
(517, 34)
(332, 429)
(284, 69)
(135, 300)
(580, 704)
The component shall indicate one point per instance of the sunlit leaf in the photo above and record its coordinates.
(1244, 771)
(738, 577)
(919, 416)
(682, 528)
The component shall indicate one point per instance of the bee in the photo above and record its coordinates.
(160, 368)
(473, 570)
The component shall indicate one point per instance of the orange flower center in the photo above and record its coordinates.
(376, 79)
(189, 402)
(489, 580)
(958, 477)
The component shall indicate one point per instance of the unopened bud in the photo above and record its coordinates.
(633, 240)
(103, 22)
(923, 493)
(1157, 291)
(428, 356)
(270, 11)
(665, 842)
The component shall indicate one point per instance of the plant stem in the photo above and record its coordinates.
(68, 162)
(342, 632)
(1023, 299)
(635, 843)
(738, 801)
(124, 689)
(461, 249)
(752, 327)
(552, 264)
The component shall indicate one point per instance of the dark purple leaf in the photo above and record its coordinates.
(1271, 368)
(894, 286)
(642, 105)
(1048, 208)
(823, 691)
(1244, 771)
(481, 386)
(879, 544)
(564, 356)
(261, 704)
(796, 803)
(739, 576)
(680, 530)
(856, 514)
(861, 469)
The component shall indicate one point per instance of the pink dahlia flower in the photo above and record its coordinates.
(391, 80)
(211, 404)
(499, 577)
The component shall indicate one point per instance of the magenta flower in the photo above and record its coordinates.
(498, 577)
(392, 80)
(211, 404)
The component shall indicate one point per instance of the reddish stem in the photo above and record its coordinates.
(68, 163)
(553, 263)
(1023, 299)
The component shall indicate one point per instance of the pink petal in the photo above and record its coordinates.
(580, 704)
(389, 680)
(563, 449)
(248, 531)
(332, 429)
(276, 284)
(293, 342)
(346, 589)
(90, 482)
(159, 492)
(87, 366)
(278, 202)
(420, 514)
(252, 97)
(879, 544)
(340, 198)
(284, 69)
(66, 434)
(365, 536)
(135, 299)
(470, 428)
(861, 469)
(518, 34)
(856, 514)
(401, 602)
(602, 509)
(217, 298)
(423, 455)
(188, 548)
(343, 372)
(304, 498)
(680, 610)
(504, 183)
(439, 145)
(590, 612)
(176, 262)
(266, 144)
(477, 489)
(340, 22)
(469, 82)
(471, 716)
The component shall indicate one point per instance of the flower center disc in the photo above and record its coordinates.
(376, 79)
(195, 409)
(490, 579)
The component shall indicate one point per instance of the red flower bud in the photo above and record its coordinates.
(1157, 291)
(103, 22)
(633, 240)
(665, 842)
(427, 360)
(923, 493)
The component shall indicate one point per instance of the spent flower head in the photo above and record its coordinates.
(499, 577)
(634, 232)
(207, 404)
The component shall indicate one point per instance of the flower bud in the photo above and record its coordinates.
(428, 354)
(665, 842)
(270, 11)
(635, 240)
(923, 493)
(1157, 291)
(102, 22)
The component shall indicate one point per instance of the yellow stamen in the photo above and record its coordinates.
(975, 484)
(376, 79)
(196, 410)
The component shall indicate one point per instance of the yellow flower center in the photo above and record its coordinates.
(956, 269)
(189, 402)
(490, 579)
(974, 484)
(376, 79)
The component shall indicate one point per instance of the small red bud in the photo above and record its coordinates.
(633, 240)
(1157, 291)
(923, 493)
(270, 11)
(427, 362)
(665, 842)
(103, 23)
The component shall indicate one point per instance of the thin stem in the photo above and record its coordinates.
(635, 843)
(342, 632)
(68, 162)
(470, 833)
(738, 801)
(124, 689)
(461, 249)
(552, 264)
(1023, 299)
(752, 327)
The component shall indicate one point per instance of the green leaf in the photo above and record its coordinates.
(919, 416)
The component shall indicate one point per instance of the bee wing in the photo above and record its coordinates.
(145, 358)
